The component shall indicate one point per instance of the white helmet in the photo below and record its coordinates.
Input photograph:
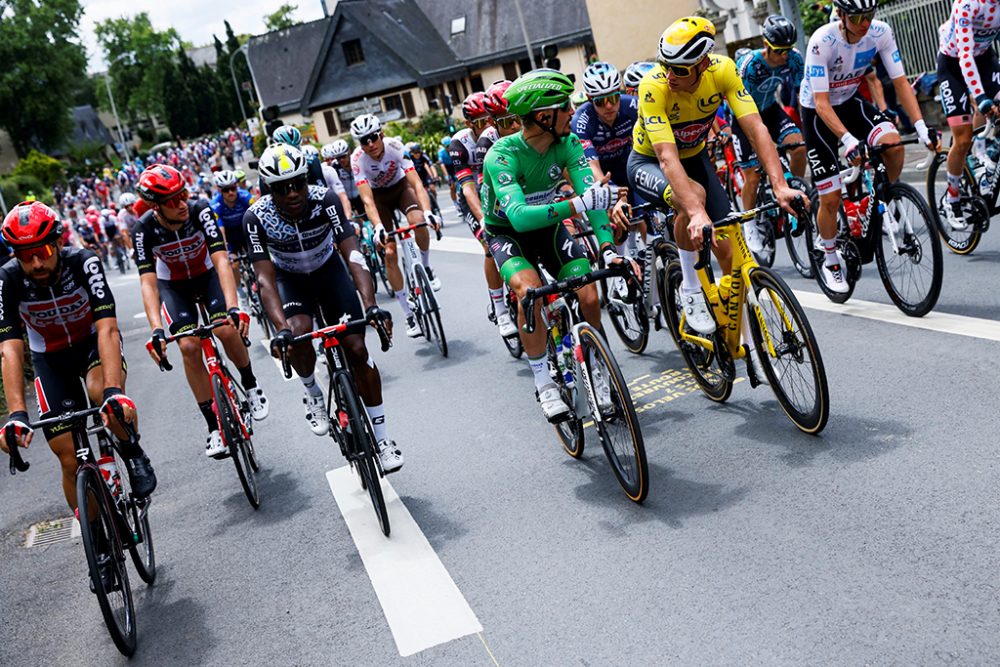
(635, 72)
(339, 148)
(281, 162)
(855, 6)
(601, 78)
(127, 200)
(327, 152)
(688, 40)
(364, 125)
(224, 178)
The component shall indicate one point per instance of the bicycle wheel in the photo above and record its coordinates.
(570, 430)
(797, 244)
(363, 449)
(714, 370)
(848, 251)
(788, 351)
(431, 311)
(136, 515)
(237, 440)
(382, 274)
(104, 552)
(619, 429)
(960, 242)
(909, 256)
(629, 320)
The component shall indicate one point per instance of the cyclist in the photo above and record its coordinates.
(127, 216)
(109, 223)
(763, 71)
(444, 159)
(182, 261)
(838, 56)
(229, 204)
(60, 298)
(424, 167)
(295, 234)
(678, 100)
(966, 65)
(338, 156)
(387, 183)
(521, 176)
(331, 179)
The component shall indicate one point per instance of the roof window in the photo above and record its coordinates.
(458, 26)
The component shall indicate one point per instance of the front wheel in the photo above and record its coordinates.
(430, 311)
(136, 515)
(629, 320)
(238, 441)
(974, 208)
(362, 447)
(788, 351)
(908, 254)
(848, 251)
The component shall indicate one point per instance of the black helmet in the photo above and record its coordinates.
(779, 31)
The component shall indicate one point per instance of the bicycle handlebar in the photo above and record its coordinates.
(621, 269)
(196, 332)
(338, 331)
(705, 254)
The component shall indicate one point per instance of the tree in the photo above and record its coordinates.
(281, 18)
(240, 66)
(41, 59)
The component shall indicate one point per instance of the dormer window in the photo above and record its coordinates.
(458, 26)
(353, 53)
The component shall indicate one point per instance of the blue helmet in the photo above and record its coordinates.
(287, 134)
(635, 72)
(601, 78)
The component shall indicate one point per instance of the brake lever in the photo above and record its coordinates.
(17, 463)
(527, 305)
(133, 435)
(705, 254)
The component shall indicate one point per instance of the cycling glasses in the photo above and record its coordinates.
(370, 138)
(778, 49)
(231, 188)
(507, 121)
(683, 70)
(177, 200)
(610, 99)
(42, 252)
(285, 187)
(864, 17)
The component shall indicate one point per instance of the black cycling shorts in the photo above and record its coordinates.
(329, 289)
(553, 247)
(180, 299)
(236, 240)
(778, 124)
(860, 118)
(954, 91)
(59, 381)
(648, 180)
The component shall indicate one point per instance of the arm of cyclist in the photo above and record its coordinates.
(582, 178)
(472, 197)
(928, 136)
(876, 90)
(12, 356)
(368, 199)
(422, 197)
(109, 350)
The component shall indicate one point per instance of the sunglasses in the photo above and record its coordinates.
(177, 200)
(864, 17)
(285, 187)
(610, 99)
(778, 49)
(42, 252)
(231, 188)
(683, 70)
(370, 139)
(480, 123)
(507, 121)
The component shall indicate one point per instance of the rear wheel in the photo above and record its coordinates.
(237, 440)
(629, 320)
(848, 251)
(960, 242)
(362, 447)
(136, 515)
(795, 238)
(908, 254)
(430, 311)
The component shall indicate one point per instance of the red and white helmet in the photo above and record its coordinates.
(474, 106)
(31, 224)
(159, 183)
(494, 101)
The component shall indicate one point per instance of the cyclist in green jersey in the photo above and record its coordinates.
(521, 177)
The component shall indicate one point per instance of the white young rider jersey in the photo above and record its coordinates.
(833, 66)
(383, 173)
(968, 33)
(332, 179)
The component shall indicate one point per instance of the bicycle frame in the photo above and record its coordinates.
(408, 251)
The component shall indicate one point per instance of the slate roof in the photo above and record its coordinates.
(281, 62)
(88, 128)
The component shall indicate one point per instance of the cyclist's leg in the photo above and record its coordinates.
(58, 389)
(298, 305)
(565, 257)
(409, 206)
(784, 131)
(700, 170)
(180, 313)
(386, 202)
(746, 159)
(821, 149)
(863, 119)
(211, 295)
(958, 110)
(520, 274)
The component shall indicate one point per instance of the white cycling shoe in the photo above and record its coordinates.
(696, 312)
(506, 325)
(389, 456)
(755, 240)
(259, 405)
(955, 216)
(835, 277)
(214, 446)
(553, 406)
(319, 421)
(434, 280)
(412, 328)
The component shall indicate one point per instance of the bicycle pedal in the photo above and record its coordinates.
(220, 457)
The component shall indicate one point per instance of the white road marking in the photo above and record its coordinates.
(138, 316)
(959, 325)
(459, 244)
(420, 600)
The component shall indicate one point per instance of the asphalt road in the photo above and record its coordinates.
(874, 543)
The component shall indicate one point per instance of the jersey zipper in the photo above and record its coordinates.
(55, 307)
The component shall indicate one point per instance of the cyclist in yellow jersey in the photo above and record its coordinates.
(678, 99)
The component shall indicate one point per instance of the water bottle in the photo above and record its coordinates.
(738, 177)
(109, 470)
(566, 349)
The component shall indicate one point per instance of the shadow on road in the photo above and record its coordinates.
(281, 498)
(170, 631)
(458, 351)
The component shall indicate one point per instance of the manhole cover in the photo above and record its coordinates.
(44, 533)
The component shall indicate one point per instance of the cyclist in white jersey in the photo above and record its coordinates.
(966, 65)
(836, 59)
(333, 182)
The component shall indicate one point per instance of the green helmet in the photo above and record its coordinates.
(538, 89)
(578, 98)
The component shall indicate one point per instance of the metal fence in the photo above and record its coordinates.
(915, 25)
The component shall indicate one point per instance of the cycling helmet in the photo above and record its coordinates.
(538, 89)
(855, 6)
(364, 125)
(578, 98)
(127, 200)
(339, 148)
(688, 40)
(494, 101)
(779, 31)
(281, 162)
(287, 134)
(31, 224)
(414, 146)
(327, 152)
(634, 73)
(240, 175)
(159, 182)
(601, 78)
(741, 53)
(224, 178)
(310, 152)
(446, 141)
(473, 106)
(91, 209)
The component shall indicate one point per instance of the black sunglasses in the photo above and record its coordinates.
(370, 138)
(231, 188)
(285, 187)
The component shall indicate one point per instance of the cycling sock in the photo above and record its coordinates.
(377, 415)
(979, 146)
(404, 303)
(954, 187)
(247, 378)
(209, 414)
(425, 258)
(540, 370)
(689, 282)
(309, 382)
(830, 248)
(499, 305)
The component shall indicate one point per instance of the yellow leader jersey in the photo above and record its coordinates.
(685, 118)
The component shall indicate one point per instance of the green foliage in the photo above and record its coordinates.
(428, 130)
(259, 143)
(40, 60)
(46, 169)
(83, 157)
(17, 187)
(281, 18)
(163, 136)
(813, 16)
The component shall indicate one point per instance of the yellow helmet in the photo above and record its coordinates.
(686, 41)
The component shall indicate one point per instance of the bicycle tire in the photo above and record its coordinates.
(92, 497)
(233, 436)
(713, 370)
(361, 441)
(569, 430)
(431, 311)
(917, 237)
(635, 338)
(512, 343)
(798, 247)
(136, 515)
(817, 258)
(633, 476)
(960, 242)
(812, 418)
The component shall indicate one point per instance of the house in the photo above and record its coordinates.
(624, 39)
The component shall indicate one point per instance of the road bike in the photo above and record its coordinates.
(722, 155)
(979, 193)
(248, 280)
(512, 343)
(373, 254)
(350, 426)
(418, 286)
(784, 342)
(117, 249)
(889, 223)
(229, 402)
(579, 355)
(112, 519)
